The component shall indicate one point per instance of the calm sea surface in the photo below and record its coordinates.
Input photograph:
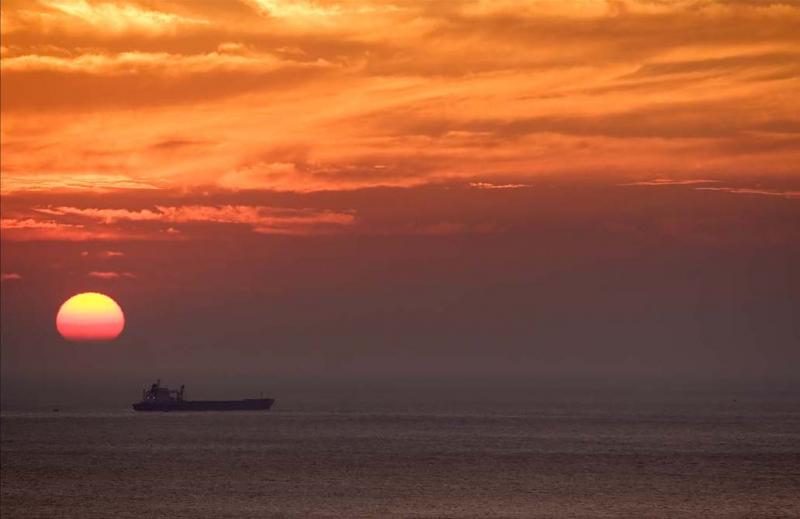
(697, 458)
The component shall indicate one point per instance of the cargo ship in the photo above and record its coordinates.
(159, 398)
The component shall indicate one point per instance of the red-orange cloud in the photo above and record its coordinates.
(304, 96)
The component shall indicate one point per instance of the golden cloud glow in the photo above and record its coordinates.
(81, 224)
(30, 229)
(77, 15)
(132, 63)
(258, 217)
(304, 96)
(71, 182)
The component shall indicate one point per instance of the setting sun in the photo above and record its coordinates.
(90, 316)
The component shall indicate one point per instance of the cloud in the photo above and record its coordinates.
(673, 120)
(670, 182)
(297, 9)
(30, 223)
(103, 275)
(489, 185)
(30, 229)
(147, 79)
(104, 254)
(258, 176)
(303, 176)
(106, 17)
(781, 193)
(107, 216)
(200, 213)
(753, 191)
(10, 276)
(137, 63)
(303, 96)
(101, 183)
(108, 275)
(260, 219)
(173, 144)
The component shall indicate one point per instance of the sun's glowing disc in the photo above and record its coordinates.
(90, 316)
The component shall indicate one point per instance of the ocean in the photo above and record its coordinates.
(700, 456)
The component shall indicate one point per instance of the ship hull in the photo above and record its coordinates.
(249, 404)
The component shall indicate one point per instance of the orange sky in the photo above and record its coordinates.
(460, 164)
(302, 95)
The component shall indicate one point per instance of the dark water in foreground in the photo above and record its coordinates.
(570, 459)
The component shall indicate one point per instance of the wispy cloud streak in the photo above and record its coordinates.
(754, 191)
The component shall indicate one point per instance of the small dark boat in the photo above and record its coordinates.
(159, 398)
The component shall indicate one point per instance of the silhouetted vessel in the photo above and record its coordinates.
(159, 398)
